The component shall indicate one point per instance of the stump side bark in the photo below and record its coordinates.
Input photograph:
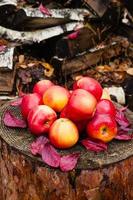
(23, 179)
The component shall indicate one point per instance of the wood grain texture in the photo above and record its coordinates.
(23, 179)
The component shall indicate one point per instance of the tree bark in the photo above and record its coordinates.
(23, 179)
(98, 176)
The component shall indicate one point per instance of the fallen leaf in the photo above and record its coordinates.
(121, 118)
(11, 121)
(49, 70)
(37, 146)
(69, 162)
(73, 35)
(125, 129)
(44, 10)
(95, 146)
(130, 71)
(103, 68)
(50, 156)
(17, 102)
(21, 59)
(2, 48)
(123, 137)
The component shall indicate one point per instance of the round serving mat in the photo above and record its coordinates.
(21, 139)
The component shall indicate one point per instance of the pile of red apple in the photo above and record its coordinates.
(64, 115)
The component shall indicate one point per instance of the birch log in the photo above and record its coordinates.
(38, 35)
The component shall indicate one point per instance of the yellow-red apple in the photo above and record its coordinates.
(40, 118)
(63, 133)
(89, 84)
(56, 97)
(41, 86)
(102, 127)
(29, 101)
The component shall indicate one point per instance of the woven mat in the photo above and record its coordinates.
(21, 139)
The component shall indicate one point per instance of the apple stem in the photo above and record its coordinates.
(104, 130)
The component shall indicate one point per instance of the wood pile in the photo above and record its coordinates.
(61, 40)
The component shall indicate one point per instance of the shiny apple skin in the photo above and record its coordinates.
(89, 84)
(41, 86)
(81, 105)
(105, 106)
(56, 97)
(102, 127)
(40, 118)
(63, 133)
(29, 101)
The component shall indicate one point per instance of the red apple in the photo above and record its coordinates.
(40, 119)
(41, 86)
(89, 84)
(102, 127)
(56, 97)
(105, 106)
(63, 113)
(29, 101)
(81, 105)
(63, 133)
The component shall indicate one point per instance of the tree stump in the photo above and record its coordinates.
(102, 176)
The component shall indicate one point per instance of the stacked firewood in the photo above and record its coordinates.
(61, 40)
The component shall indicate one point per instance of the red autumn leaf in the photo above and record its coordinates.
(2, 48)
(73, 36)
(44, 10)
(123, 109)
(17, 102)
(12, 121)
(50, 156)
(121, 118)
(69, 162)
(123, 137)
(96, 146)
(125, 129)
(37, 146)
